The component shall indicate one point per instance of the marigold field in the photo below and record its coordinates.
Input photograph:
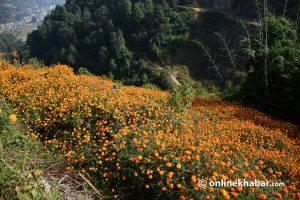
(133, 145)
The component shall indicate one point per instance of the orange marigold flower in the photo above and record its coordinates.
(285, 190)
(178, 166)
(170, 174)
(215, 174)
(211, 189)
(140, 157)
(270, 170)
(245, 174)
(194, 179)
(223, 192)
(234, 194)
(168, 164)
(182, 198)
(262, 197)
(13, 118)
(239, 188)
(278, 196)
(226, 197)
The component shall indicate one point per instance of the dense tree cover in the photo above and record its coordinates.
(273, 70)
(116, 37)
(8, 44)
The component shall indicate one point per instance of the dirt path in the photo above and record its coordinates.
(174, 79)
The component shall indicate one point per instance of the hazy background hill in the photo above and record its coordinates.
(18, 18)
(17, 10)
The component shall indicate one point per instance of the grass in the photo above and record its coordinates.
(27, 169)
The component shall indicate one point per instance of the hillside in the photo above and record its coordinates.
(18, 10)
(133, 144)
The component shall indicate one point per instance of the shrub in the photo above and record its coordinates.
(234, 86)
(273, 77)
(182, 97)
(36, 63)
(84, 71)
(164, 81)
(151, 86)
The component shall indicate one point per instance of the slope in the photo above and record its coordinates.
(129, 140)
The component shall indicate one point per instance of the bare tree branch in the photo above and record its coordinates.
(248, 35)
(285, 7)
(210, 58)
(266, 49)
(230, 55)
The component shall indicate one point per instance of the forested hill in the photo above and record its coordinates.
(111, 37)
(128, 38)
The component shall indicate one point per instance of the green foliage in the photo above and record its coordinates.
(206, 92)
(274, 87)
(234, 86)
(35, 63)
(164, 81)
(8, 44)
(84, 71)
(182, 97)
(151, 86)
(120, 38)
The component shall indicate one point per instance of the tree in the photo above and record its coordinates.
(124, 9)
(138, 14)
(282, 61)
